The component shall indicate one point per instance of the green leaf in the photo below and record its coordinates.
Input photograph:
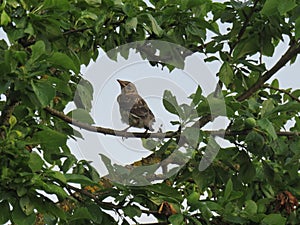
(47, 207)
(5, 19)
(255, 142)
(132, 211)
(131, 24)
(79, 179)
(285, 6)
(5, 212)
(84, 95)
(96, 213)
(47, 137)
(35, 162)
(64, 61)
(81, 213)
(213, 206)
(226, 73)
(155, 27)
(68, 163)
(250, 207)
(81, 115)
(274, 219)
(228, 189)
(165, 190)
(267, 48)
(150, 144)
(193, 200)
(197, 96)
(176, 219)
(170, 103)
(52, 189)
(58, 4)
(19, 217)
(217, 105)
(58, 176)
(12, 121)
(26, 205)
(297, 28)
(267, 126)
(192, 135)
(211, 59)
(38, 49)
(270, 7)
(291, 106)
(275, 83)
(247, 169)
(43, 91)
(246, 47)
(267, 107)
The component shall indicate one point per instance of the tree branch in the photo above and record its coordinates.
(169, 134)
(108, 131)
(283, 91)
(72, 31)
(292, 51)
(104, 204)
(7, 112)
(244, 27)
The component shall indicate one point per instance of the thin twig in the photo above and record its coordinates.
(283, 91)
(104, 204)
(244, 27)
(72, 31)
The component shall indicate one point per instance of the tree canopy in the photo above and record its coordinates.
(255, 181)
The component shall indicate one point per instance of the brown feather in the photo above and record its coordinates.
(133, 108)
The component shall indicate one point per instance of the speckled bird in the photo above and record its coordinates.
(133, 108)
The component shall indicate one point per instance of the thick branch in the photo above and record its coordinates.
(169, 134)
(108, 131)
(293, 50)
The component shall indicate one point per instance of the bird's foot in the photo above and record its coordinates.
(125, 136)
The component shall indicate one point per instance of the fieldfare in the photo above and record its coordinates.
(133, 108)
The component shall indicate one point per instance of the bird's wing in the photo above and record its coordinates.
(140, 109)
(126, 102)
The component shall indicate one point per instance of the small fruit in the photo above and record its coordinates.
(250, 123)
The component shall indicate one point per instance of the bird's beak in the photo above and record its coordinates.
(122, 83)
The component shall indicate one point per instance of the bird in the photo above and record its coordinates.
(133, 108)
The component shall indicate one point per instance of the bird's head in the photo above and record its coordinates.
(127, 87)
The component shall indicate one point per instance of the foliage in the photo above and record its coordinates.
(254, 182)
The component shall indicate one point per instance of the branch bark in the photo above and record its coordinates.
(108, 131)
(283, 91)
(292, 51)
(169, 134)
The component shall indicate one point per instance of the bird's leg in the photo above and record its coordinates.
(125, 130)
(146, 131)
